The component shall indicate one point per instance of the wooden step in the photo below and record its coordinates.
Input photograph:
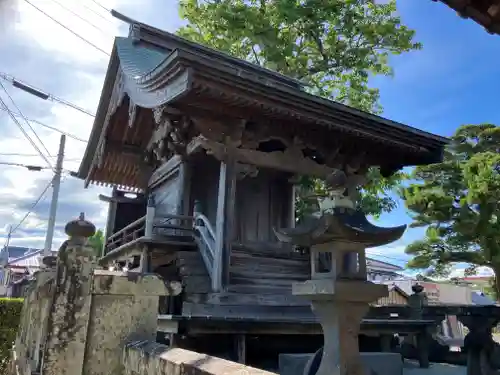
(240, 280)
(268, 250)
(259, 289)
(243, 258)
(238, 298)
(259, 273)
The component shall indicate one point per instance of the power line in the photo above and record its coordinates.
(46, 126)
(34, 168)
(37, 149)
(42, 196)
(97, 14)
(40, 93)
(369, 253)
(101, 6)
(24, 118)
(68, 29)
(79, 17)
(32, 155)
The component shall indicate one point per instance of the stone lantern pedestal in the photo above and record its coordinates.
(340, 307)
(338, 290)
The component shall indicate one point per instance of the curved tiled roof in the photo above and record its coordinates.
(153, 67)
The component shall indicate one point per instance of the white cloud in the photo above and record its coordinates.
(53, 38)
(38, 51)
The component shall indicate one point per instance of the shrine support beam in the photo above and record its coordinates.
(224, 223)
(278, 160)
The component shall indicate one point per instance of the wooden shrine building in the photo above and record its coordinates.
(202, 151)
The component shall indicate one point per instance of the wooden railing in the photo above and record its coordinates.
(182, 224)
(130, 233)
(137, 229)
(204, 237)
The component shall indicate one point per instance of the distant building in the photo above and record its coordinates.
(477, 282)
(379, 271)
(17, 264)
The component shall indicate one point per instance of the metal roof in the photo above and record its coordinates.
(479, 298)
(30, 261)
(9, 253)
(148, 74)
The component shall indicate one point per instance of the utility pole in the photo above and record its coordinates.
(9, 235)
(6, 247)
(56, 183)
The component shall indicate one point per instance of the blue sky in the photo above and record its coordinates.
(444, 85)
(436, 89)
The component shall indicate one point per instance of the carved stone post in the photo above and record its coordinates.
(422, 340)
(78, 318)
(70, 308)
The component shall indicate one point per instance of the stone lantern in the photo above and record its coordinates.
(338, 289)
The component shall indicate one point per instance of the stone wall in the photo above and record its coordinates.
(77, 318)
(150, 358)
(81, 320)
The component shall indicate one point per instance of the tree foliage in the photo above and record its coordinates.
(458, 201)
(10, 316)
(97, 242)
(333, 46)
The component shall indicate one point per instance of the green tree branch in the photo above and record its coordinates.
(332, 46)
(458, 201)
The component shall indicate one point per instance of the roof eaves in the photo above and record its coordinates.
(137, 26)
(100, 118)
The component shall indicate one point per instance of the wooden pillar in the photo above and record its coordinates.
(423, 343)
(110, 224)
(224, 224)
(145, 260)
(293, 192)
(186, 189)
(386, 342)
(241, 348)
(150, 216)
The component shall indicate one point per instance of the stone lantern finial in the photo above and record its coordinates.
(80, 228)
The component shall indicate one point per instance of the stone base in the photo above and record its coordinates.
(377, 362)
(340, 290)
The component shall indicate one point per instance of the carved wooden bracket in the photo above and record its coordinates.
(171, 136)
(274, 160)
(246, 170)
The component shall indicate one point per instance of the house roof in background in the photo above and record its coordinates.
(479, 298)
(476, 278)
(9, 253)
(30, 261)
(376, 264)
(18, 251)
(398, 289)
